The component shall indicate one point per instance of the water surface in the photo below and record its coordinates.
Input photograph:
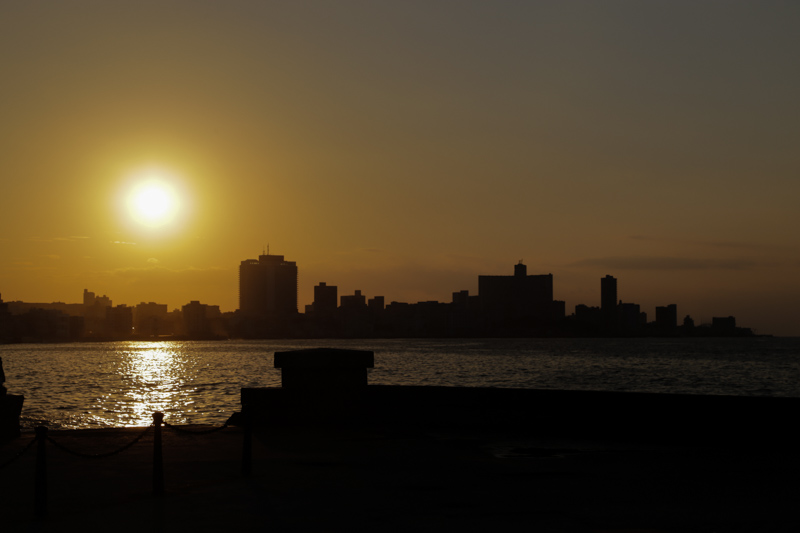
(122, 383)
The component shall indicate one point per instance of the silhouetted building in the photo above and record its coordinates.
(355, 318)
(587, 315)
(723, 323)
(325, 300)
(267, 297)
(321, 316)
(631, 317)
(119, 321)
(18, 308)
(268, 287)
(559, 309)
(354, 301)
(201, 321)
(43, 325)
(398, 315)
(150, 320)
(464, 315)
(608, 303)
(608, 295)
(94, 313)
(514, 304)
(376, 305)
(667, 317)
(90, 300)
(460, 298)
(5, 321)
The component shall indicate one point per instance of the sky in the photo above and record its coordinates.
(405, 148)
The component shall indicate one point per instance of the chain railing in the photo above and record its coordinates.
(42, 438)
(185, 431)
(19, 454)
(63, 448)
(247, 446)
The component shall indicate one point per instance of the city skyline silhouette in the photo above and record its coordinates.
(404, 150)
(515, 304)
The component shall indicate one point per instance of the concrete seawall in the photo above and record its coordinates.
(736, 420)
(435, 458)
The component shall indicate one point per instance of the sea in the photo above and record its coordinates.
(121, 384)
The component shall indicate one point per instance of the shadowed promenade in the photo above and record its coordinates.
(400, 478)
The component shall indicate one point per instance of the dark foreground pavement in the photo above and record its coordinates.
(400, 478)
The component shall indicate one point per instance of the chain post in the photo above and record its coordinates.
(158, 459)
(247, 444)
(40, 486)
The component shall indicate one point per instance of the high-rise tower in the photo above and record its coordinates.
(268, 287)
(608, 295)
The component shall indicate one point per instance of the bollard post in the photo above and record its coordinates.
(158, 459)
(40, 488)
(247, 445)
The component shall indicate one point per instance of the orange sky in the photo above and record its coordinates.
(405, 148)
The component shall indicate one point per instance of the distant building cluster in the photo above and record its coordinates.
(98, 319)
(518, 305)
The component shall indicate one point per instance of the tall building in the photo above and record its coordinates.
(268, 287)
(608, 295)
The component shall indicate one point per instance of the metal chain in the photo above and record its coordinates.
(100, 455)
(191, 432)
(19, 453)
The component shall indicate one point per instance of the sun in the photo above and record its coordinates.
(153, 202)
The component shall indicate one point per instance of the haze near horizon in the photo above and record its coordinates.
(403, 149)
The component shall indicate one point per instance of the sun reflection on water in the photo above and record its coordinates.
(154, 379)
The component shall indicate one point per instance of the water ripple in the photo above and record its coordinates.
(122, 383)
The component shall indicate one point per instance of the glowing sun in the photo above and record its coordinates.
(153, 202)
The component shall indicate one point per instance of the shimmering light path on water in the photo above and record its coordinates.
(122, 383)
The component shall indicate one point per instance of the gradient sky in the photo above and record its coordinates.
(404, 148)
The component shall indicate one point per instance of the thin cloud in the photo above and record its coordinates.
(157, 270)
(708, 244)
(71, 238)
(124, 243)
(665, 263)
